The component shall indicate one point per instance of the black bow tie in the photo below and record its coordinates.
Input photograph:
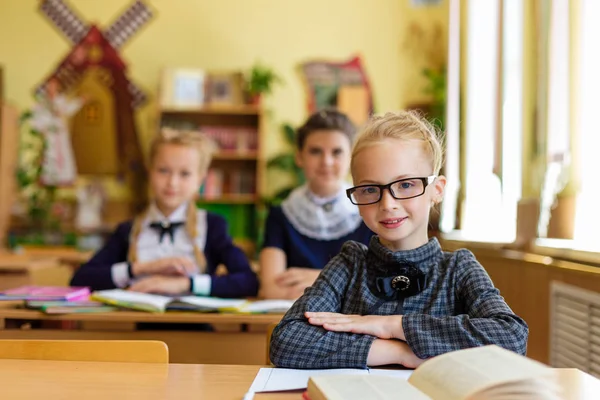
(166, 227)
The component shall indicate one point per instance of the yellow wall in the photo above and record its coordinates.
(230, 35)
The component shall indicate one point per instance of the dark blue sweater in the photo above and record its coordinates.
(240, 281)
(303, 251)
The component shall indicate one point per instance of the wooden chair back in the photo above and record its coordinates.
(135, 351)
(270, 329)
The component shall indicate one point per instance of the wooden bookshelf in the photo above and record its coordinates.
(233, 155)
(217, 110)
(229, 199)
(234, 185)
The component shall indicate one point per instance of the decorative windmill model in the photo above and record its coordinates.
(104, 135)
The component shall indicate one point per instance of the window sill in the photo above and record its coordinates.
(484, 241)
(569, 250)
(558, 249)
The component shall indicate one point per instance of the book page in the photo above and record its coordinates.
(263, 306)
(278, 379)
(372, 387)
(213, 303)
(396, 373)
(459, 374)
(126, 298)
(523, 390)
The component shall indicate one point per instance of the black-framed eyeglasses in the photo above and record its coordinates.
(401, 189)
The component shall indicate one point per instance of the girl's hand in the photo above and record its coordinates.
(381, 326)
(162, 284)
(408, 357)
(392, 351)
(298, 278)
(177, 266)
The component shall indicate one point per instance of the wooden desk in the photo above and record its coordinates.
(230, 344)
(21, 269)
(67, 255)
(65, 380)
(524, 280)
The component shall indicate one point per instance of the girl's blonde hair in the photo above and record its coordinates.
(206, 148)
(402, 125)
(204, 145)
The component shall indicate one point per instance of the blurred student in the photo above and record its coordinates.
(173, 247)
(315, 220)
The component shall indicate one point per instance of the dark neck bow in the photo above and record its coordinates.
(166, 227)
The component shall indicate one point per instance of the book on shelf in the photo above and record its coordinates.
(159, 303)
(235, 139)
(487, 372)
(56, 293)
(235, 183)
(213, 184)
(242, 182)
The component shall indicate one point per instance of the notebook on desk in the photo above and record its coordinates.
(158, 303)
(48, 293)
(69, 307)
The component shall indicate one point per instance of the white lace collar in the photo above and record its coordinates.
(321, 218)
(154, 214)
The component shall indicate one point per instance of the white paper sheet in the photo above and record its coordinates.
(280, 379)
(396, 373)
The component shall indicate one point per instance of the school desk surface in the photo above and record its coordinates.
(238, 339)
(65, 380)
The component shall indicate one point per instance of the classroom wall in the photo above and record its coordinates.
(231, 35)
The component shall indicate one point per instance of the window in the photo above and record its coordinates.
(512, 111)
(482, 187)
(558, 119)
(493, 122)
(452, 164)
(587, 218)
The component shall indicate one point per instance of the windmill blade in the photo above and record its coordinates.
(138, 97)
(65, 19)
(66, 76)
(128, 24)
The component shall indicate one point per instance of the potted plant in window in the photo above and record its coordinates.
(260, 82)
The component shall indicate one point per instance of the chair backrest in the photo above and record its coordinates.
(137, 351)
(270, 328)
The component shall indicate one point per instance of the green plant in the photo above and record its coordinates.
(262, 79)
(38, 199)
(436, 87)
(286, 162)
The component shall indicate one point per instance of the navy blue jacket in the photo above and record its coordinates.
(303, 251)
(240, 281)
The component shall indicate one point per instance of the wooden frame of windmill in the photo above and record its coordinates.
(103, 132)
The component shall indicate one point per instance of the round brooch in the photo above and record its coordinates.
(400, 282)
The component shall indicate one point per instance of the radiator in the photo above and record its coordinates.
(574, 328)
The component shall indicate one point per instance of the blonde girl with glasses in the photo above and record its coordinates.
(401, 299)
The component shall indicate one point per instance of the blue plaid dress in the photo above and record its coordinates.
(460, 308)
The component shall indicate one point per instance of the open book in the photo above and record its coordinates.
(487, 372)
(158, 303)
